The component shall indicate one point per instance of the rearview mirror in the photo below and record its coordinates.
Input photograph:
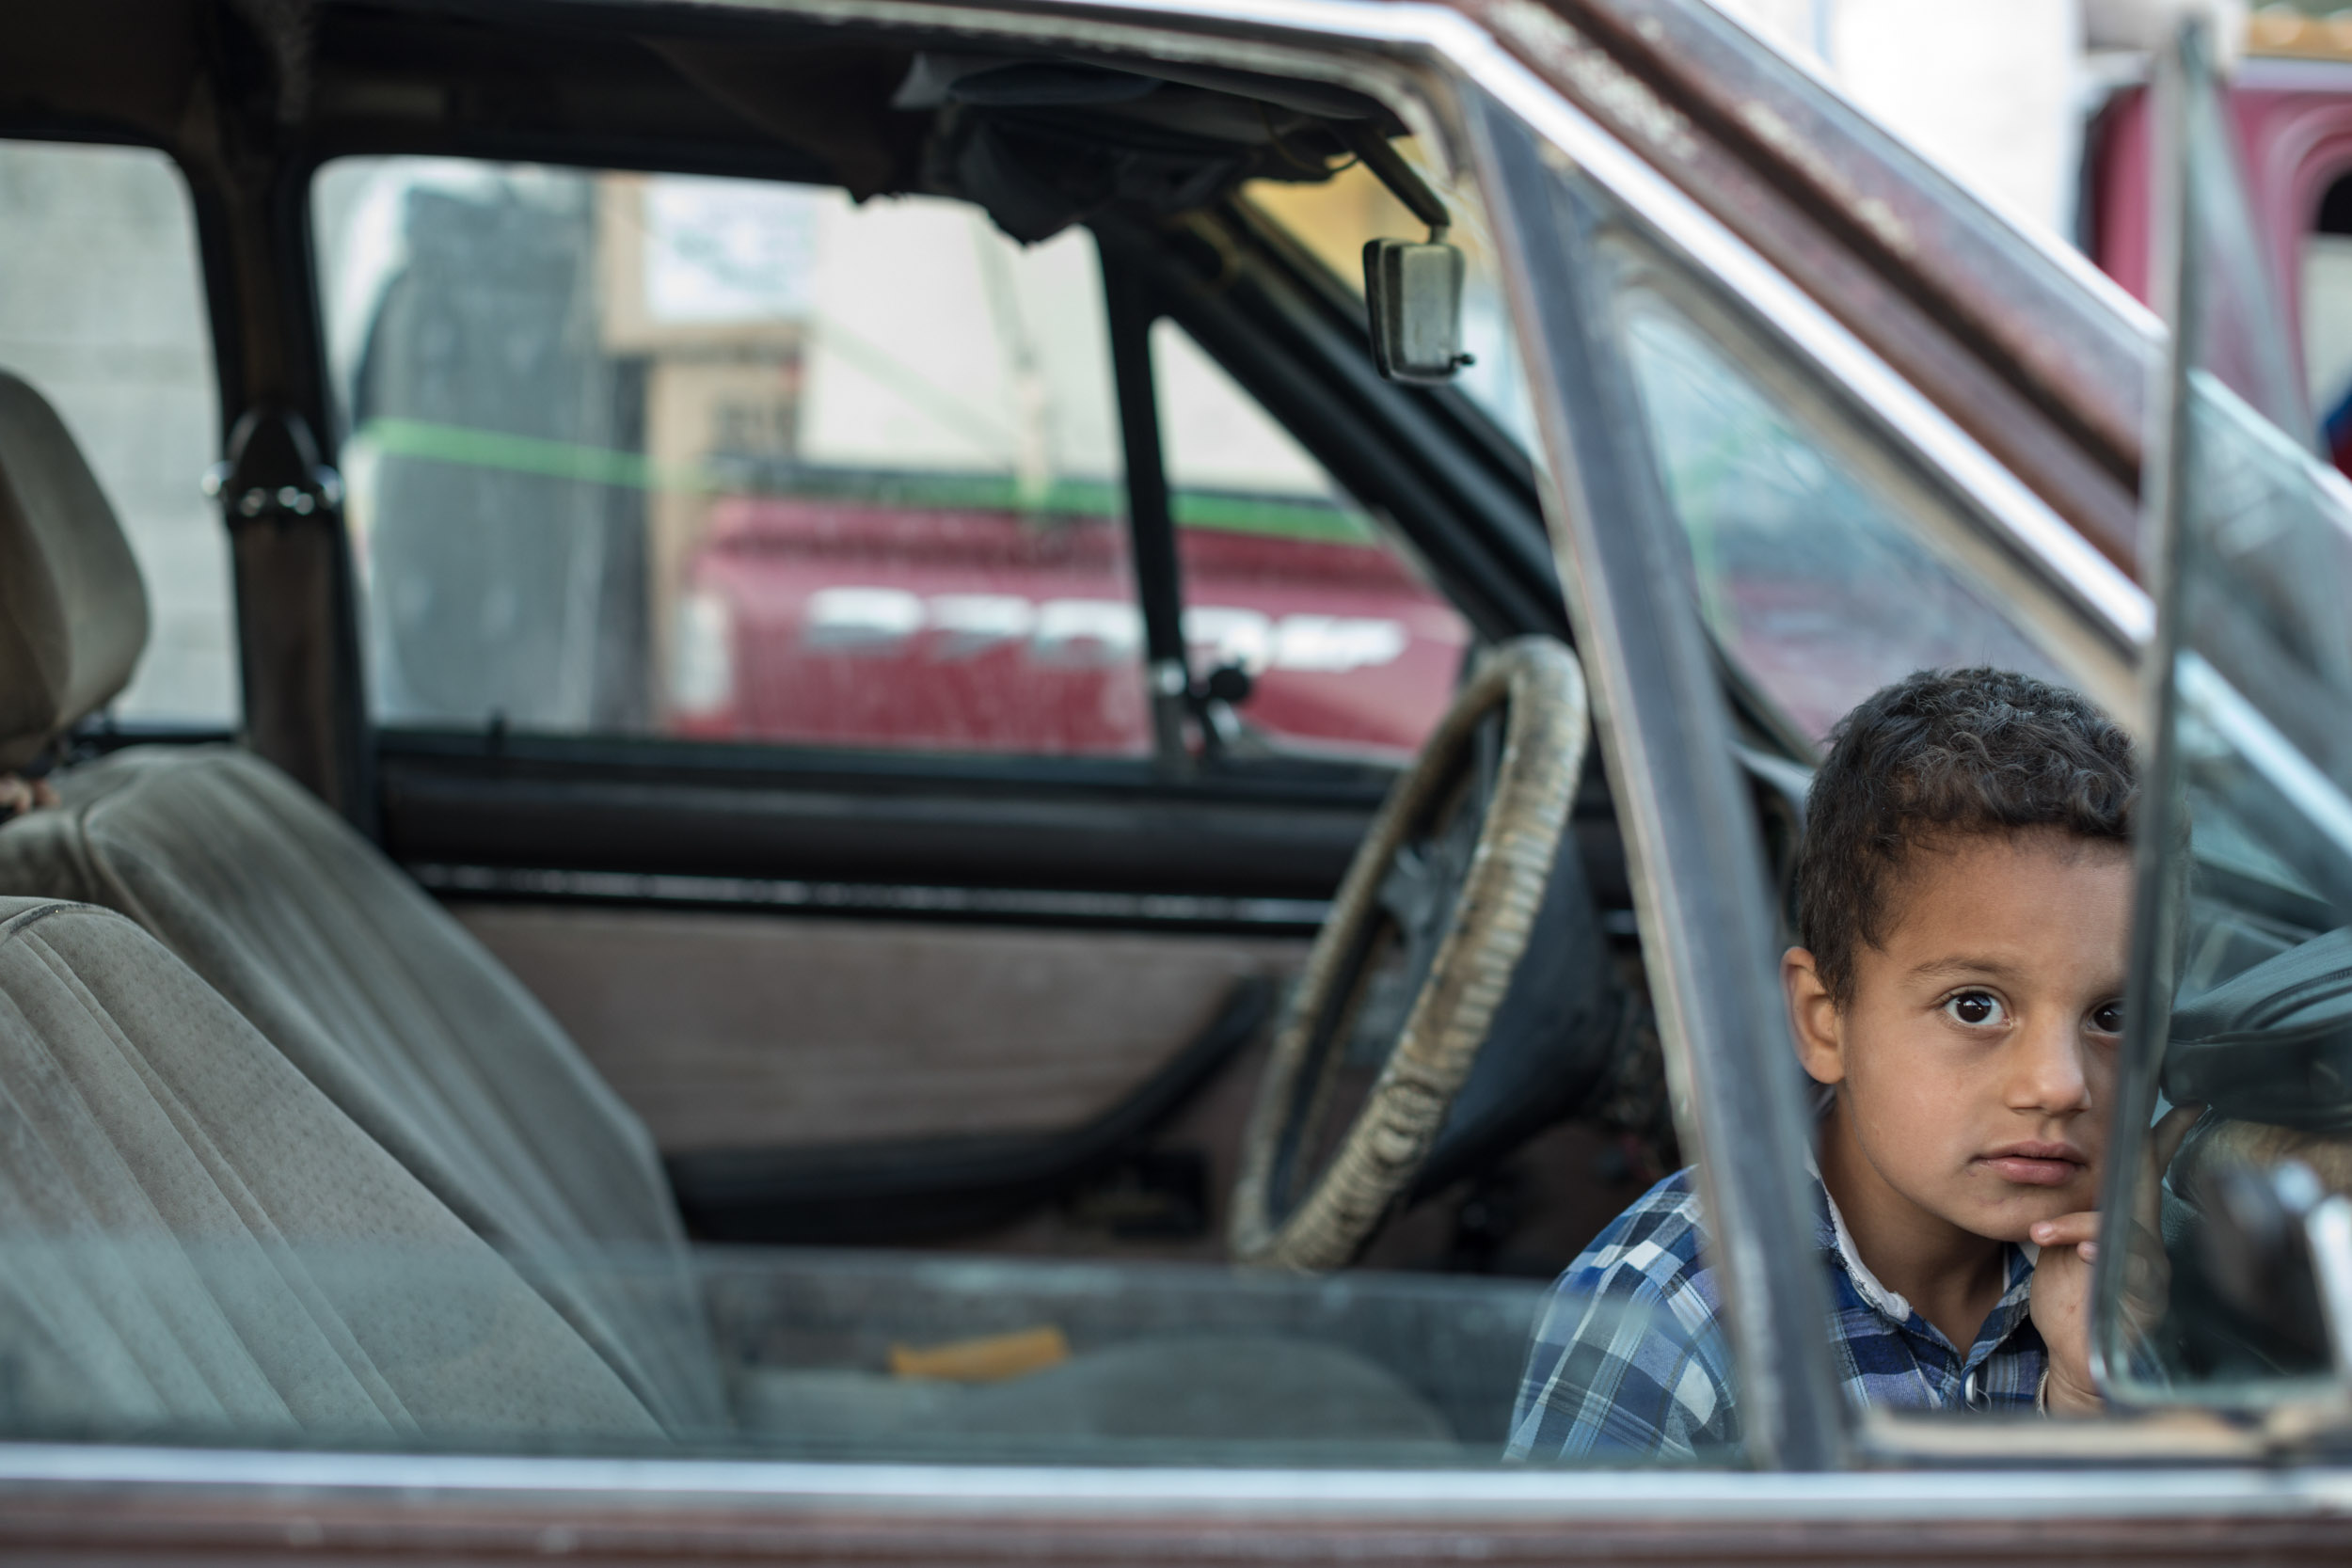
(1413, 298)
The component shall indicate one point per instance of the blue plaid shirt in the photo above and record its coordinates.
(1631, 1359)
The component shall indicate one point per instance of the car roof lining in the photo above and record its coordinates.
(1039, 138)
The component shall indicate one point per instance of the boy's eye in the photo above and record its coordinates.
(2108, 1018)
(1974, 1009)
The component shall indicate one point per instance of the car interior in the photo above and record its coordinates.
(779, 881)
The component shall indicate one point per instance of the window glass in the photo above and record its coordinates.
(1334, 218)
(1349, 649)
(101, 309)
(436, 1342)
(728, 460)
(2235, 1285)
(1809, 575)
(2230, 1299)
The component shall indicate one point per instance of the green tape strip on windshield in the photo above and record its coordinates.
(543, 458)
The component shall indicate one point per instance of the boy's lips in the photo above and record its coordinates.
(2036, 1164)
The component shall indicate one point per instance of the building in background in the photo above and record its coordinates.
(1990, 89)
(1997, 91)
(2041, 108)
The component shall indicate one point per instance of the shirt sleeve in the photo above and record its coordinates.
(1628, 1360)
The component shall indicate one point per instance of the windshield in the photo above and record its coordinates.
(1808, 566)
(1808, 570)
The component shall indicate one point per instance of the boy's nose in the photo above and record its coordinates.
(2047, 1073)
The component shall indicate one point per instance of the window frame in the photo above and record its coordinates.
(2008, 511)
(1703, 911)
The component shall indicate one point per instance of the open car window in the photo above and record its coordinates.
(742, 462)
(418, 1347)
(1288, 580)
(727, 460)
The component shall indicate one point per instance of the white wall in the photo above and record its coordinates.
(1988, 89)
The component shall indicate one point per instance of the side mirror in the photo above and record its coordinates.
(1413, 298)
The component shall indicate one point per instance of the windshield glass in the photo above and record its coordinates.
(1808, 567)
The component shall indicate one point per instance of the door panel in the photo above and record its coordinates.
(518, 804)
(731, 1031)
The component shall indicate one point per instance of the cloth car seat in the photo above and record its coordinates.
(418, 1103)
(373, 993)
(195, 1241)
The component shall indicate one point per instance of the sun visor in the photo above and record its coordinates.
(73, 611)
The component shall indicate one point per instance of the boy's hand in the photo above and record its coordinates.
(2061, 1280)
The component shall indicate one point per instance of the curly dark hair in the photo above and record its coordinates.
(1938, 754)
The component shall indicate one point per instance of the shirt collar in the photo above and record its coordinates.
(1831, 1233)
(1834, 1238)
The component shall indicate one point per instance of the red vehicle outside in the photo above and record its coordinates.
(863, 623)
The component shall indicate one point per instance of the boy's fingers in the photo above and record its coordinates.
(2068, 1229)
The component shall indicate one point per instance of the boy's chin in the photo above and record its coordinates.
(2013, 1216)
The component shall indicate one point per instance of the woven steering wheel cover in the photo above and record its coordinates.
(1543, 756)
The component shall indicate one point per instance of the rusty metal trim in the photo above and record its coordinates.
(2044, 368)
(2059, 552)
(77, 1476)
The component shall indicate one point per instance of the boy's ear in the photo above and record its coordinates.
(1812, 1018)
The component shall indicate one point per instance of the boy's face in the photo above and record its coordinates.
(1977, 1056)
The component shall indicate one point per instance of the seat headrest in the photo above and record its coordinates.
(73, 611)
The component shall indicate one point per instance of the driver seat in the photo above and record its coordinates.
(376, 994)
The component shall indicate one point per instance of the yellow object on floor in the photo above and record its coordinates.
(992, 1359)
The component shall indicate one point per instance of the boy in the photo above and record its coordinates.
(1964, 895)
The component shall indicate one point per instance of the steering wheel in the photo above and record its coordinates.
(1419, 951)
